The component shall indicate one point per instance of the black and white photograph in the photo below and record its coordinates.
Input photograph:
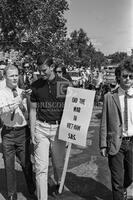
(66, 100)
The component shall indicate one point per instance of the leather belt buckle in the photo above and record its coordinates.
(52, 122)
(8, 128)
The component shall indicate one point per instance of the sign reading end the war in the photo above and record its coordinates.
(76, 115)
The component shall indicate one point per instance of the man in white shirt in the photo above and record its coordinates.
(116, 132)
(15, 132)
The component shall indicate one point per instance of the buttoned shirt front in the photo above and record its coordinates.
(6, 101)
(121, 94)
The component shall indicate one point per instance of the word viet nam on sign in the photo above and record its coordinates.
(76, 115)
(73, 126)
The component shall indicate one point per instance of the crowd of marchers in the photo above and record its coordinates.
(27, 118)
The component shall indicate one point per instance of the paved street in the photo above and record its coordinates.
(87, 178)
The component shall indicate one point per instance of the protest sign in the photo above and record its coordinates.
(75, 121)
(76, 115)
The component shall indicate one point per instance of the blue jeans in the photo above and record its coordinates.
(121, 167)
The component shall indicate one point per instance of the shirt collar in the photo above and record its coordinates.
(122, 92)
(9, 89)
(54, 80)
(130, 92)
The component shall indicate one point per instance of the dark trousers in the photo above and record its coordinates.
(17, 142)
(121, 167)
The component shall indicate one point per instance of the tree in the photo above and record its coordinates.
(79, 50)
(32, 25)
(117, 57)
(75, 48)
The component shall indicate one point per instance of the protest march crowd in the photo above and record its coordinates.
(31, 107)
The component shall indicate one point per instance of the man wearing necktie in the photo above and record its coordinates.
(116, 131)
(15, 132)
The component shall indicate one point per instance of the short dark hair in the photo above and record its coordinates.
(43, 59)
(118, 74)
(126, 64)
(64, 70)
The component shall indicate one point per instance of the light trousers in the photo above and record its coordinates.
(46, 138)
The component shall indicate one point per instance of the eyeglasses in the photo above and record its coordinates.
(58, 71)
(128, 75)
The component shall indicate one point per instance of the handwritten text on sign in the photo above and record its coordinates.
(76, 116)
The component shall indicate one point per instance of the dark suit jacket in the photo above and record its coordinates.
(111, 123)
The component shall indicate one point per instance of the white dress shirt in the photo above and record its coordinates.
(7, 104)
(121, 93)
(2, 84)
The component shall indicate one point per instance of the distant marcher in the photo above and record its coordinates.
(26, 77)
(65, 74)
(116, 131)
(58, 70)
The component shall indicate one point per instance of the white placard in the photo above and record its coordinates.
(76, 115)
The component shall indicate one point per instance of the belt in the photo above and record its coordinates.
(51, 121)
(128, 138)
(17, 128)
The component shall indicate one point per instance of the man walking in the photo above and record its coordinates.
(15, 132)
(116, 132)
(46, 109)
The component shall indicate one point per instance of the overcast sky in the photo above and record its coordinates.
(108, 23)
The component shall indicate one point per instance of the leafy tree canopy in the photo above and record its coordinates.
(117, 57)
(79, 50)
(32, 25)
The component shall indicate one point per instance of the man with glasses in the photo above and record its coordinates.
(116, 131)
(58, 70)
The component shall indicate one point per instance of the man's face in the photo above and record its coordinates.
(12, 78)
(59, 71)
(45, 71)
(126, 79)
(26, 67)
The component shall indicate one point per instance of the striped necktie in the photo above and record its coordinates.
(126, 112)
(15, 94)
(21, 106)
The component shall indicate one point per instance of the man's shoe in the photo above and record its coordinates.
(13, 197)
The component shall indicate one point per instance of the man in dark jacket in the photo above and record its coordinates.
(116, 132)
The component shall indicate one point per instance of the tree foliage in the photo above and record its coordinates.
(117, 57)
(78, 49)
(32, 25)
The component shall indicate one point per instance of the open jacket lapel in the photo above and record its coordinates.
(117, 102)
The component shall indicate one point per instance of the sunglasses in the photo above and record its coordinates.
(58, 71)
(128, 75)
